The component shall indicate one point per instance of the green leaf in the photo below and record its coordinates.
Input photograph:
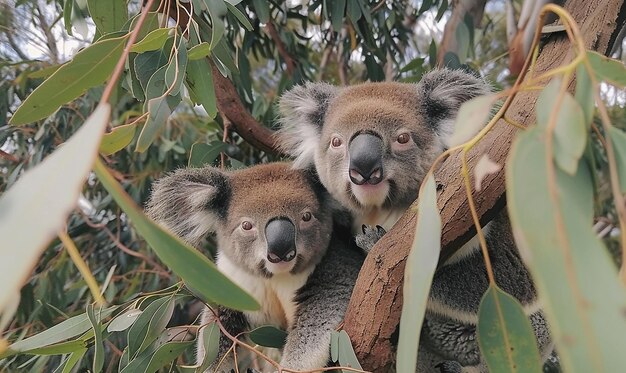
(44, 73)
(194, 268)
(584, 94)
(166, 354)
(442, 10)
(154, 40)
(505, 336)
(67, 15)
(175, 72)
(582, 297)
(159, 111)
(471, 118)
(199, 51)
(23, 225)
(205, 154)
(415, 64)
(118, 138)
(426, 4)
(336, 14)
(200, 84)
(618, 138)
(58, 348)
(211, 343)
(147, 64)
(432, 54)
(334, 346)
(217, 10)
(109, 16)
(268, 336)
(124, 320)
(67, 329)
(242, 18)
(347, 357)
(262, 10)
(570, 133)
(89, 68)
(98, 359)
(353, 11)
(150, 324)
(73, 359)
(418, 274)
(607, 69)
(157, 353)
(462, 35)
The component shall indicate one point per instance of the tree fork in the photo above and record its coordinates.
(373, 315)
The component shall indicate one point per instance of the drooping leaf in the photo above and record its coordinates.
(262, 10)
(149, 324)
(485, 166)
(109, 16)
(242, 18)
(98, 356)
(148, 63)
(124, 320)
(166, 354)
(505, 336)
(161, 351)
(68, 5)
(607, 69)
(268, 336)
(205, 154)
(194, 268)
(618, 138)
(89, 68)
(563, 253)
(23, 225)
(199, 51)
(200, 84)
(65, 330)
(211, 344)
(73, 359)
(418, 274)
(570, 133)
(217, 10)
(336, 14)
(471, 119)
(118, 138)
(154, 40)
(159, 111)
(175, 73)
(347, 357)
(334, 346)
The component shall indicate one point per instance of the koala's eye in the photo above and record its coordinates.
(306, 216)
(336, 142)
(403, 138)
(246, 225)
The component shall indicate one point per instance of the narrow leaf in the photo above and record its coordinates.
(117, 139)
(584, 94)
(347, 357)
(194, 268)
(217, 10)
(98, 356)
(73, 359)
(109, 16)
(471, 119)
(138, 332)
(211, 343)
(618, 138)
(242, 18)
(199, 51)
(124, 320)
(262, 10)
(68, 5)
(154, 40)
(200, 84)
(334, 346)
(89, 68)
(205, 154)
(166, 354)
(418, 274)
(24, 226)
(159, 112)
(505, 336)
(336, 14)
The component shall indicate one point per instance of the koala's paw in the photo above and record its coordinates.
(369, 237)
(449, 366)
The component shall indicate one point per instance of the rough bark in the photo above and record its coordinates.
(374, 311)
(460, 8)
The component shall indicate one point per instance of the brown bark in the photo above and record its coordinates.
(475, 8)
(374, 311)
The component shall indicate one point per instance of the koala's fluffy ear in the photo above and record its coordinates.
(443, 91)
(303, 110)
(190, 202)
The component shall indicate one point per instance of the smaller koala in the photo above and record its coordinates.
(278, 237)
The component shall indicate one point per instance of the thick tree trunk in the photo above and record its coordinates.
(374, 312)
(460, 8)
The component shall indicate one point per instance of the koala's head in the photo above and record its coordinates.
(268, 219)
(373, 143)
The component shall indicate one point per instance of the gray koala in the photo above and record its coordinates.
(372, 145)
(279, 237)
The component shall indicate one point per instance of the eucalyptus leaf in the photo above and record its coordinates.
(200, 84)
(607, 69)
(154, 40)
(262, 10)
(471, 119)
(98, 355)
(211, 343)
(584, 94)
(205, 154)
(618, 138)
(159, 111)
(347, 357)
(117, 139)
(149, 325)
(199, 51)
(124, 320)
(109, 16)
(506, 338)
(268, 336)
(418, 274)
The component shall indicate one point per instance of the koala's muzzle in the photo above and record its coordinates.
(366, 159)
(281, 240)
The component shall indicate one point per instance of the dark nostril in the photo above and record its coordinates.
(356, 177)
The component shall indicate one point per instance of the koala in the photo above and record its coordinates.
(372, 145)
(280, 237)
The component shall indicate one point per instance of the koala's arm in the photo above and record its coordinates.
(369, 237)
(235, 323)
(322, 304)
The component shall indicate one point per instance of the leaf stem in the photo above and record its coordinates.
(83, 268)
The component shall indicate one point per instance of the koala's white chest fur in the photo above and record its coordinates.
(275, 295)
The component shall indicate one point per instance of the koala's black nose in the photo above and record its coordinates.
(281, 240)
(366, 159)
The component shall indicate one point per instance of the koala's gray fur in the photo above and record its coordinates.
(409, 125)
(307, 295)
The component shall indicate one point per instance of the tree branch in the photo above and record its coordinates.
(475, 8)
(374, 312)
